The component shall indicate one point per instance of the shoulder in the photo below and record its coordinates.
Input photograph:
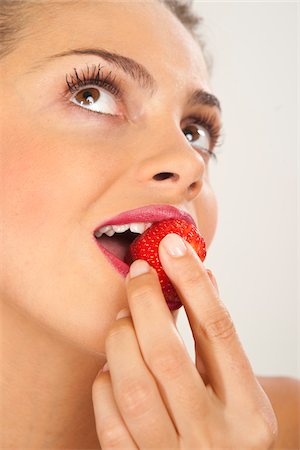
(284, 395)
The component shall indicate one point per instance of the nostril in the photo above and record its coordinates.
(164, 176)
(194, 189)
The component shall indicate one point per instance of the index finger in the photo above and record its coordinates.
(227, 366)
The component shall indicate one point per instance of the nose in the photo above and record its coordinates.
(172, 167)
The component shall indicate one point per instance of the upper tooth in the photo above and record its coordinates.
(102, 230)
(147, 225)
(137, 227)
(120, 228)
(110, 230)
(105, 229)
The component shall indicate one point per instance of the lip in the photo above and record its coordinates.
(150, 213)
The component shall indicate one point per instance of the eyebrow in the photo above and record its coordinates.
(137, 72)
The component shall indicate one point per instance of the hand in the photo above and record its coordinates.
(153, 395)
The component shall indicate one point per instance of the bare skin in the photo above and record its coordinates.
(64, 171)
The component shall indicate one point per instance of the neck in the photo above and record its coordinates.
(46, 387)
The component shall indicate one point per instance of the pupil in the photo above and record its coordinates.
(87, 94)
(189, 136)
(88, 97)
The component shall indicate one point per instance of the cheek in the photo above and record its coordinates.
(25, 188)
(206, 211)
(42, 182)
(43, 202)
(53, 270)
(33, 197)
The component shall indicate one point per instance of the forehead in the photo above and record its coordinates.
(143, 30)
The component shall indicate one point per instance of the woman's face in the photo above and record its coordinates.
(67, 168)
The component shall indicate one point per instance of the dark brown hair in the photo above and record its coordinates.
(16, 16)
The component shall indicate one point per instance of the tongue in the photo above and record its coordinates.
(117, 246)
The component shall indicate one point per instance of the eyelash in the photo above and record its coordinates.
(208, 121)
(109, 83)
(97, 78)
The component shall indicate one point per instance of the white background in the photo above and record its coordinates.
(254, 254)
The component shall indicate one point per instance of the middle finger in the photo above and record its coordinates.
(228, 368)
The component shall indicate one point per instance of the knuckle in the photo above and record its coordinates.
(167, 362)
(111, 434)
(192, 277)
(267, 440)
(135, 396)
(261, 419)
(267, 429)
(219, 325)
(263, 437)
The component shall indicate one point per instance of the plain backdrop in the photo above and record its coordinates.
(254, 254)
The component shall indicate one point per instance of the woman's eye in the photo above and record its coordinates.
(96, 99)
(199, 136)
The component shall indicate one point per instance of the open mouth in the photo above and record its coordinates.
(114, 241)
(116, 234)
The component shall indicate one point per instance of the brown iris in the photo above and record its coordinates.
(87, 96)
(194, 132)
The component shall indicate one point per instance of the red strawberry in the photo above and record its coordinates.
(146, 247)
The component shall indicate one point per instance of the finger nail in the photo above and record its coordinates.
(212, 279)
(138, 267)
(174, 245)
(105, 368)
(123, 313)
